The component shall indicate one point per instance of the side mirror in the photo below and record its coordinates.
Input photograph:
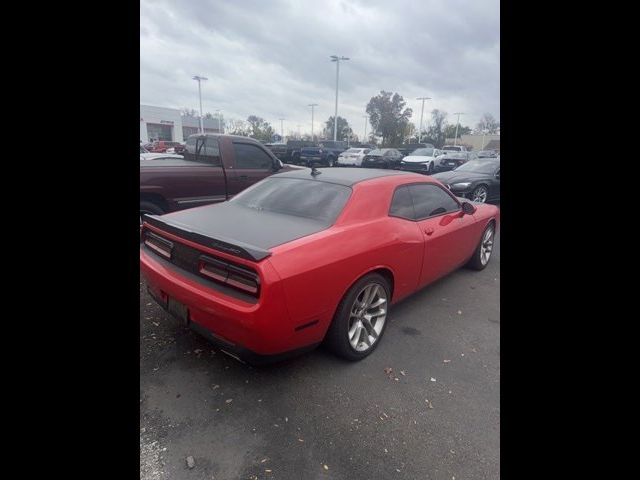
(498, 176)
(468, 209)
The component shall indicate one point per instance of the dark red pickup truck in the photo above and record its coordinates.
(214, 168)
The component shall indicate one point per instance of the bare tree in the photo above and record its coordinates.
(488, 124)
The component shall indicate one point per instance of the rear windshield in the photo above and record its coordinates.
(319, 201)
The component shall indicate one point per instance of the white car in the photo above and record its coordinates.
(422, 160)
(159, 156)
(352, 157)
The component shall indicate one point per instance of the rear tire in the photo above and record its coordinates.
(430, 168)
(351, 316)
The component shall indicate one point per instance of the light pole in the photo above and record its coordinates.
(335, 58)
(199, 79)
(366, 120)
(282, 128)
(298, 125)
(455, 140)
(421, 115)
(312, 105)
(218, 115)
(483, 133)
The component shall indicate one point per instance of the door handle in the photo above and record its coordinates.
(243, 177)
(428, 230)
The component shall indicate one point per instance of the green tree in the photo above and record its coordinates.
(488, 124)
(259, 129)
(435, 132)
(343, 128)
(450, 131)
(388, 117)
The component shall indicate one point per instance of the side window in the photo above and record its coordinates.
(203, 150)
(251, 156)
(190, 146)
(430, 200)
(401, 204)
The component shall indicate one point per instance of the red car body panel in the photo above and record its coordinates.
(303, 280)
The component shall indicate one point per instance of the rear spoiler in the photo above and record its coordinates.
(226, 245)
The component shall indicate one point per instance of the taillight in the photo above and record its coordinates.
(229, 274)
(160, 245)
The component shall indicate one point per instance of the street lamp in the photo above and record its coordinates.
(312, 105)
(199, 79)
(455, 140)
(335, 58)
(366, 120)
(281, 129)
(421, 115)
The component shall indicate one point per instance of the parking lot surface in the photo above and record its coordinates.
(425, 404)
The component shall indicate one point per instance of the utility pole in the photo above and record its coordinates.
(335, 58)
(455, 140)
(421, 115)
(282, 128)
(312, 105)
(198, 78)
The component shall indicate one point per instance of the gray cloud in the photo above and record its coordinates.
(272, 58)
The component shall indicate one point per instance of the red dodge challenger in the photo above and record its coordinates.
(310, 256)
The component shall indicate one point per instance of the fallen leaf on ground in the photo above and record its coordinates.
(433, 379)
(459, 312)
(388, 370)
(446, 361)
(325, 467)
(263, 460)
(229, 400)
(402, 372)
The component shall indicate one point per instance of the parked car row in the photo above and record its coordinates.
(162, 146)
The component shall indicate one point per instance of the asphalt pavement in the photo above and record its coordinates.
(424, 405)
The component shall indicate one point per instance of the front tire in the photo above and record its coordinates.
(430, 168)
(331, 161)
(360, 319)
(483, 251)
(480, 194)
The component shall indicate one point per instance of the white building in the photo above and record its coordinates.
(159, 123)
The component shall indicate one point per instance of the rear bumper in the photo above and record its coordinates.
(256, 332)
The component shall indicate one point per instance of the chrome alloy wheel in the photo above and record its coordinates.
(486, 246)
(480, 194)
(367, 317)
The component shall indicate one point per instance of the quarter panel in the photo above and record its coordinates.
(318, 271)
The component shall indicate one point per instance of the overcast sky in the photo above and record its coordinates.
(271, 58)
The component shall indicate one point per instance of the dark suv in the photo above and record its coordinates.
(289, 152)
(325, 154)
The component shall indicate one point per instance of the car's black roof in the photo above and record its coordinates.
(341, 176)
